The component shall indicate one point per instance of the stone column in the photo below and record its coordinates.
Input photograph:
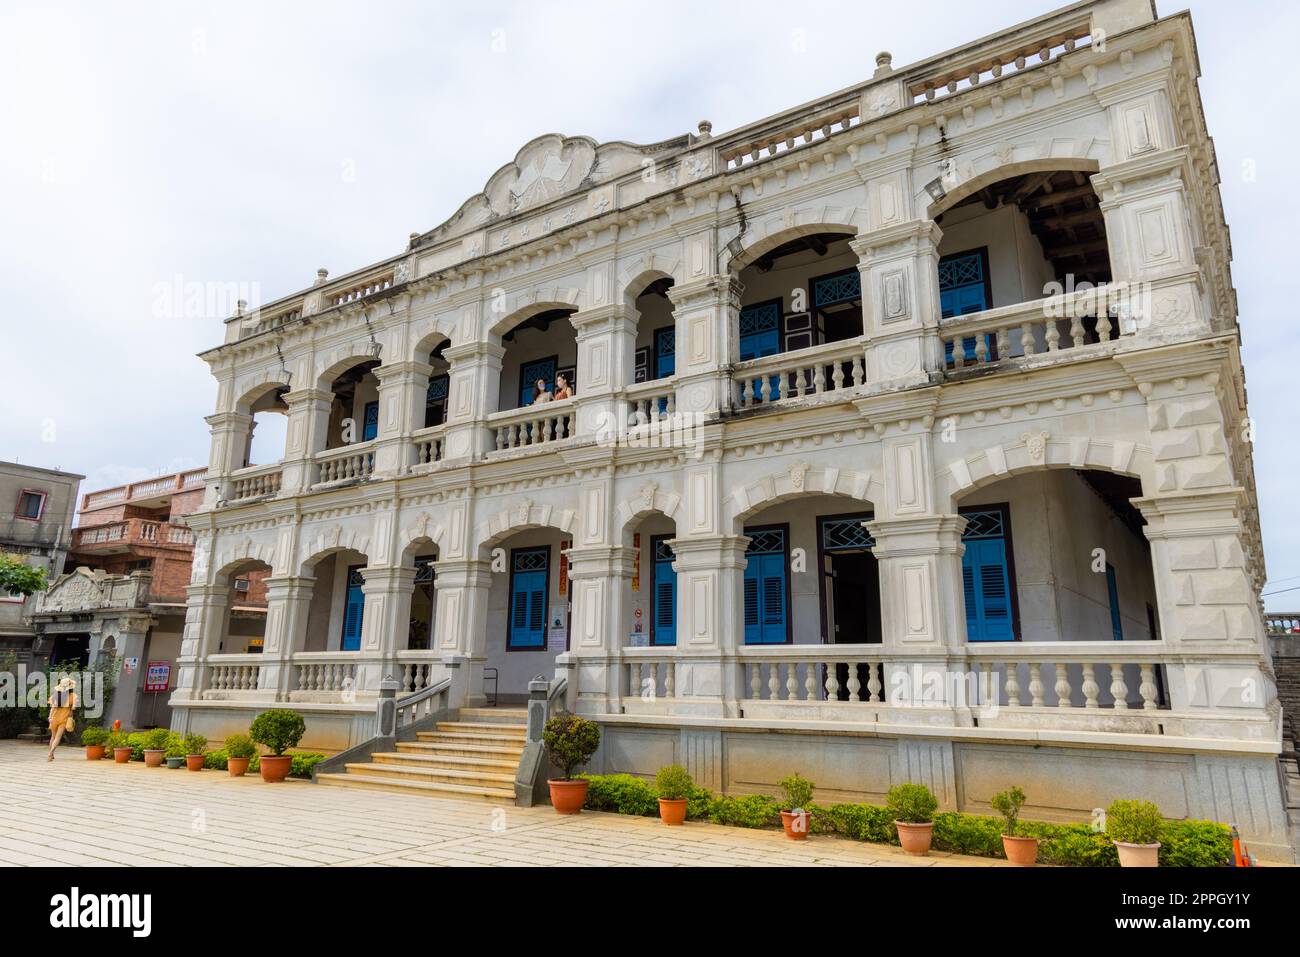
(402, 389)
(309, 416)
(707, 330)
(288, 600)
(600, 619)
(474, 382)
(606, 341)
(900, 302)
(229, 431)
(205, 620)
(385, 622)
(461, 589)
(710, 623)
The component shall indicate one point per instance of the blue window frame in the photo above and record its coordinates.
(988, 577)
(767, 599)
(370, 421)
(965, 287)
(529, 578)
(760, 330)
(1112, 591)
(663, 613)
(836, 288)
(530, 372)
(435, 400)
(354, 609)
(665, 352)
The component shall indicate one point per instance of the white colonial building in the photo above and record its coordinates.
(908, 441)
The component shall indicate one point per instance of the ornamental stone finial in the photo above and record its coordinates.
(706, 129)
(321, 275)
(884, 62)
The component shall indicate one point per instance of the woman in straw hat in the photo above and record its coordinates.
(61, 703)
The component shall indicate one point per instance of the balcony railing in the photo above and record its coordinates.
(149, 488)
(132, 531)
(232, 676)
(1282, 623)
(256, 481)
(429, 445)
(835, 367)
(349, 463)
(533, 425)
(1061, 323)
(653, 401)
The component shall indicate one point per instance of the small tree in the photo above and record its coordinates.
(278, 729)
(19, 578)
(239, 746)
(912, 803)
(797, 793)
(195, 743)
(674, 783)
(570, 742)
(1008, 804)
(157, 740)
(1133, 822)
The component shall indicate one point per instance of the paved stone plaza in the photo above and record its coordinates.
(99, 813)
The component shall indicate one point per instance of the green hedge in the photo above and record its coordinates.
(302, 765)
(1182, 843)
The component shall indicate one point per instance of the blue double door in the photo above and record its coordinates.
(987, 581)
(354, 609)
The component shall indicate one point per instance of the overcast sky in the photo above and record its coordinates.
(146, 146)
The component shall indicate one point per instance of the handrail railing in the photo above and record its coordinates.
(396, 719)
(530, 780)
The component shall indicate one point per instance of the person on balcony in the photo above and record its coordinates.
(61, 703)
(562, 389)
(541, 393)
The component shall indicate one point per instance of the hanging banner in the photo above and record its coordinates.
(636, 561)
(564, 568)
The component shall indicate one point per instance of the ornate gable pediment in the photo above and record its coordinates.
(79, 590)
(546, 168)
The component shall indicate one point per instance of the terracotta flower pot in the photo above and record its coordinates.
(174, 763)
(194, 762)
(672, 810)
(915, 838)
(275, 767)
(237, 766)
(1138, 855)
(153, 759)
(567, 797)
(796, 824)
(122, 755)
(1020, 851)
(94, 752)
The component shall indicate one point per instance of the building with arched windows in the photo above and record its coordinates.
(901, 435)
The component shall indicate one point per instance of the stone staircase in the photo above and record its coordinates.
(475, 756)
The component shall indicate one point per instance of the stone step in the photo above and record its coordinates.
(505, 764)
(510, 750)
(495, 715)
(429, 789)
(410, 772)
(470, 737)
(482, 728)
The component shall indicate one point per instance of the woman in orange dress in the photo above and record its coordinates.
(61, 703)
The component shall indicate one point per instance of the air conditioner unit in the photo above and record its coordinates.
(241, 584)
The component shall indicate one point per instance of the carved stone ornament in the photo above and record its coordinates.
(1036, 445)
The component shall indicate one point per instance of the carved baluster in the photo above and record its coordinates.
(1027, 337)
(1062, 688)
(837, 375)
(1076, 331)
(671, 406)
(747, 393)
(1104, 327)
(755, 681)
(1147, 689)
(873, 683)
(1090, 687)
(408, 678)
(634, 678)
(810, 681)
(773, 680)
(1011, 682)
(792, 681)
(832, 682)
(670, 679)
(859, 376)
(981, 349)
(1036, 689)
(958, 353)
(799, 382)
(1118, 688)
(986, 682)
(1053, 335)
(854, 685)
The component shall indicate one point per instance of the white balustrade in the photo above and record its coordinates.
(418, 670)
(835, 367)
(650, 402)
(254, 482)
(327, 676)
(179, 535)
(652, 678)
(429, 445)
(533, 425)
(350, 463)
(232, 676)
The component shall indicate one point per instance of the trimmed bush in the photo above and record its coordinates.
(622, 794)
(750, 810)
(239, 746)
(156, 740)
(304, 763)
(674, 783)
(911, 803)
(278, 729)
(194, 744)
(796, 793)
(570, 742)
(1008, 804)
(94, 735)
(1133, 822)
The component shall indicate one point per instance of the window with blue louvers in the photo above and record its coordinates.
(766, 612)
(663, 616)
(354, 608)
(529, 570)
(988, 585)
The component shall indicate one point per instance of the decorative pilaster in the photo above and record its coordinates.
(474, 384)
(309, 415)
(288, 600)
(606, 341)
(710, 624)
(461, 590)
(597, 576)
(402, 390)
(205, 620)
(229, 445)
(707, 331)
(384, 626)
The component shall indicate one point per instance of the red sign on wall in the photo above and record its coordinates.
(158, 676)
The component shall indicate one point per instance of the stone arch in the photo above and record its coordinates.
(423, 529)
(523, 305)
(231, 557)
(650, 499)
(428, 333)
(1038, 449)
(636, 275)
(327, 541)
(253, 388)
(797, 481)
(332, 364)
(777, 229)
(522, 515)
(971, 182)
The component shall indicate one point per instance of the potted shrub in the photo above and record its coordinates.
(94, 738)
(674, 785)
(796, 804)
(1134, 827)
(279, 730)
(913, 807)
(570, 742)
(155, 747)
(193, 745)
(1020, 849)
(122, 751)
(239, 750)
(175, 751)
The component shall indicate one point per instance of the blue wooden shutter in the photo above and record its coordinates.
(665, 352)
(765, 604)
(354, 608)
(760, 330)
(370, 424)
(1112, 588)
(962, 290)
(528, 599)
(529, 373)
(986, 577)
(665, 595)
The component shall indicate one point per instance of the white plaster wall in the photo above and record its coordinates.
(517, 668)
